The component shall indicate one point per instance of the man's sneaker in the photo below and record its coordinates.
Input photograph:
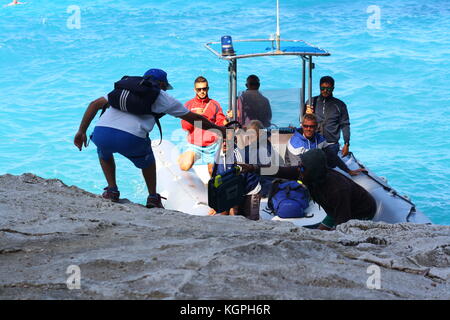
(111, 193)
(154, 201)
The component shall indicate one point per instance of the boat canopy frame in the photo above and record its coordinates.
(252, 48)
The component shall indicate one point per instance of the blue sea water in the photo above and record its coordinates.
(394, 79)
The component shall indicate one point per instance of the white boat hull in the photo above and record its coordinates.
(186, 192)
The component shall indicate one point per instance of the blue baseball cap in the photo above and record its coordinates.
(158, 75)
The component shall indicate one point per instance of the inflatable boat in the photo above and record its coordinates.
(186, 191)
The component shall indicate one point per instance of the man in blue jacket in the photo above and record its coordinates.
(306, 138)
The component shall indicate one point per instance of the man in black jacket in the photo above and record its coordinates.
(332, 115)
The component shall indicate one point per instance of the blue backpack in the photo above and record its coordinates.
(288, 199)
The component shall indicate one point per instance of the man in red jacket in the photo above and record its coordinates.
(202, 144)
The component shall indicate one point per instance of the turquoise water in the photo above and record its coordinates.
(393, 79)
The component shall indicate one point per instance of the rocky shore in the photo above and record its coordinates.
(61, 242)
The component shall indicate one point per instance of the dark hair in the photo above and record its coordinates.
(310, 117)
(327, 79)
(253, 81)
(200, 79)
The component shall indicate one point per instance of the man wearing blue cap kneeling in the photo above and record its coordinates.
(122, 130)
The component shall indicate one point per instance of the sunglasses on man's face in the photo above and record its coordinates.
(306, 126)
(202, 89)
(329, 89)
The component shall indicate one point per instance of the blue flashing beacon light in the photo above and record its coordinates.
(227, 46)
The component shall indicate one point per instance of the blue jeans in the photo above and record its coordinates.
(334, 147)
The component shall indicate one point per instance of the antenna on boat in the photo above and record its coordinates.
(278, 26)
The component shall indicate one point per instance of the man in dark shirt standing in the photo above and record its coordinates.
(252, 105)
(332, 115)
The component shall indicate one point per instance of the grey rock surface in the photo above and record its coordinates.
(126, 251)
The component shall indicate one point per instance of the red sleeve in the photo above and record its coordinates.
(184, 124)
(187, 126)
(220, 117)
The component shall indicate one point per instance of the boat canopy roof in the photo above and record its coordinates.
(266, 47)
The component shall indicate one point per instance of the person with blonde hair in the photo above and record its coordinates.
(249, 207)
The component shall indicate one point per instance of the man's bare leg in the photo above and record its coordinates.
(109, 170)
(210, 168)
(149, 174)
(234, 211)
(186, 160)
